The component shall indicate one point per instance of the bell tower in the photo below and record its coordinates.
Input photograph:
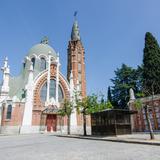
(76, 59)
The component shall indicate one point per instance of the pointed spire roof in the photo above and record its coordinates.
(75, 35)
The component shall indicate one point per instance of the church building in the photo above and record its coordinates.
(29, 103)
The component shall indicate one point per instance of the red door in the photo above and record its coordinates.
(51, 122)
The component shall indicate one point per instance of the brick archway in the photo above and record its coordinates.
(40, 82)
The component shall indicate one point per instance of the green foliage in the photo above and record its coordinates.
(138, 104)
(87, 105)
(109, 105)
(102, 105)
(91, 104)
(125, 78)
(67, 108)
(109, 95)
(151, 65)
(144, 80)
(140, 94)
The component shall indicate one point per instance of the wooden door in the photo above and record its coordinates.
(51, 122)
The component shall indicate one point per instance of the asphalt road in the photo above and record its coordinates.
(49, 147)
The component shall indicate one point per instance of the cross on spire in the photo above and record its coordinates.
(75, 15)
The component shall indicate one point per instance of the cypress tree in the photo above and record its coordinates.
(109, 96)
(151, 65)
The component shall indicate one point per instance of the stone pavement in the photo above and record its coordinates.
(50, 147)
(138, 138)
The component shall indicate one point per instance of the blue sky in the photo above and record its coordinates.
(112, 32)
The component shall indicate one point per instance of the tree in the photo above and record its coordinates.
(151, 69)
(66, 110)
(139, 105)
(151, 65)
(109, 95)
(86, 105)
(125, 78)
(90, 104)
(139, 91)
(103, 104)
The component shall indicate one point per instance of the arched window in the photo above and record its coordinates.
(43, 64)
(52, 92)
(33, 61)
(9, 111)
(44, 92)
(24, 65)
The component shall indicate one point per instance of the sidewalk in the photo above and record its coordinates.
(133, 138)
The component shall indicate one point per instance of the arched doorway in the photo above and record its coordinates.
(51, 122)
(51, 118)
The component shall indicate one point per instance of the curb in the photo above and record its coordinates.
(112, 140)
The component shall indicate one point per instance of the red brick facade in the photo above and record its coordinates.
(38, 118)
(76, 63)
(16, 115)
(139, 122)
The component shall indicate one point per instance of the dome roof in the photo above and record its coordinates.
(42, 49)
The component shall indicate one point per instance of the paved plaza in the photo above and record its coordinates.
(50, 147)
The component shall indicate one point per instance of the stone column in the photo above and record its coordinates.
(27, 116)
(73, 120)
(131, 107)
(48, 78)
(57, 80)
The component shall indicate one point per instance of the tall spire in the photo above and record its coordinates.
(76, 64)
(75, 35)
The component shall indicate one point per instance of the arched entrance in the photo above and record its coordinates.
(51, 122)
(51, 118)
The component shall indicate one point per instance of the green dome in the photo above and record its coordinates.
(42, 49)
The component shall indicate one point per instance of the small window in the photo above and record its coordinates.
(33, 61)
(9, 111)
(43, 64)
(79, 76)
(79, 57)
(79, 67)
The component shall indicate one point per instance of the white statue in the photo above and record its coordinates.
(131, 94)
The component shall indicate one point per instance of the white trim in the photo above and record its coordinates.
(48, 78)
(40, 75)
(42, 56)
(33, 56)
(57, 79)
